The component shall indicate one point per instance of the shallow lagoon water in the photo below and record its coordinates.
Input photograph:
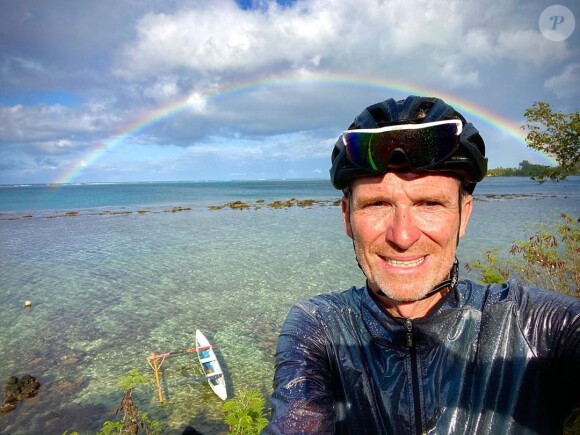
(109, 289)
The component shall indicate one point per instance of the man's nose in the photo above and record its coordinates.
(402, 229)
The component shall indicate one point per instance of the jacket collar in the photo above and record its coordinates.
(389, 330)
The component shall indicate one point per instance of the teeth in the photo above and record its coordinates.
(412, 263)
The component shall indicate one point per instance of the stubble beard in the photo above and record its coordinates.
(398, 288)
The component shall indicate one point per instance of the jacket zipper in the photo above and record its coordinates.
(414, 376)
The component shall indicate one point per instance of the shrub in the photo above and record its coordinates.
(244, 414)
(133, 419)
(549, 259)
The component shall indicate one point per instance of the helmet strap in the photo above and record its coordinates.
(349, 196)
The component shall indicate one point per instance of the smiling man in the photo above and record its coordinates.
(416, 350)
(408, 224)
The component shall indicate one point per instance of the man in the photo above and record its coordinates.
(416, 350)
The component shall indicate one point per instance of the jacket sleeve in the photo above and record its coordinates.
(302, 401)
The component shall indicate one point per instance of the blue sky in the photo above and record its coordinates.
(256, 89)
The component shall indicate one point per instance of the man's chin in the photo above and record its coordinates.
(401, 294)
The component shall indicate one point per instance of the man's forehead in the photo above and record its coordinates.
(440, 181)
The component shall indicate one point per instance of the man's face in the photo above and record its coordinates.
(405, 228)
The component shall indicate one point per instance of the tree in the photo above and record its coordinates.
(133, 419)
(556, 134)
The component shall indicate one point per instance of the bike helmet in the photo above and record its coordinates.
(467, 161)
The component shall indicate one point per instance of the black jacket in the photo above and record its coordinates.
(486, 360)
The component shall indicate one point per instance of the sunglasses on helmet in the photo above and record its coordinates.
(425, 145)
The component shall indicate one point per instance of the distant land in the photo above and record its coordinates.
(525, 169)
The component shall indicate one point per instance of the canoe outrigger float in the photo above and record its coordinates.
(209, 365)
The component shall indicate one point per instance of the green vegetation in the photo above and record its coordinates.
(244, 414)
(553, 133)
(556, 134)
(133, 419)
(549, 259)
(526, 169)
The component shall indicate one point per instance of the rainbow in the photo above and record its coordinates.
(467, 108)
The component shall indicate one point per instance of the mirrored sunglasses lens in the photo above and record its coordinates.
(422, 147)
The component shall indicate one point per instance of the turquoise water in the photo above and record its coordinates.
(123, 276)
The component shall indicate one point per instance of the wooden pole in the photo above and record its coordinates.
(152, 360)
(156, 367)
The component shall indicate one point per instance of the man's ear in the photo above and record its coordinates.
(346, 216)
(466, 207)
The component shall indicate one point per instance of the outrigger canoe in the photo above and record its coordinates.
(210, 365)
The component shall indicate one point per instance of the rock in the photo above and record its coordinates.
(238, 205)
(11, 390)
(20, 389)
(7, 407)
(191, 431)
(29, 386)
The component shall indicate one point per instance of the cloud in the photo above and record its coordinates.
(460, 76)
(11, 165)
(262, 80)
(294, 147)
(54, 128)
(222, 39)
(567, 83)
(164, 88)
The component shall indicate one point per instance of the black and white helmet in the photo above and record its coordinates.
(468, 161)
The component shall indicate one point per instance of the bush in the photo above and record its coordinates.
(133, 419)
(549, 259)
(244, 414)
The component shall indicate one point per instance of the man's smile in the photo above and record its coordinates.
(404, 263)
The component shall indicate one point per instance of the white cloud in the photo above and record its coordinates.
(54, 128)
(293, 147)
(163, 89)
(567, 83)
(197, 102)
(220, 38)
(459, 75)
(529, 45)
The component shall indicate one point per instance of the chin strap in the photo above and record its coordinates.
(450, 282)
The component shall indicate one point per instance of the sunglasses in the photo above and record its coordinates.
(425, 145)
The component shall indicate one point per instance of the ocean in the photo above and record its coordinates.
(116, 272)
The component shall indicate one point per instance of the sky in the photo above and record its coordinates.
(176, 90)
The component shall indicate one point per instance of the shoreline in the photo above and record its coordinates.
(233, 205)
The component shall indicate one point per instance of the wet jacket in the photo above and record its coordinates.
(486, 360)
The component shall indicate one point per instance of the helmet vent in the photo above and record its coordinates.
(379, 115)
